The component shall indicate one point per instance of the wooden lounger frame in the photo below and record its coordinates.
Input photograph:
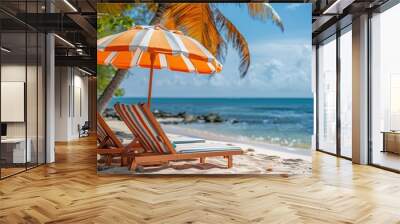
(154, 158)
(117, 149)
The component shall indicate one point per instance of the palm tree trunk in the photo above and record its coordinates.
(110, 89)
(161, 7)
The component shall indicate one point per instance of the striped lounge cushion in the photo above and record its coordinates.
(205, 147)
(137, 121)
(102, 135)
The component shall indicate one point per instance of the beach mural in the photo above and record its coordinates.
(204, 88)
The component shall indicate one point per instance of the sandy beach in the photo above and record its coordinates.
(258, 157)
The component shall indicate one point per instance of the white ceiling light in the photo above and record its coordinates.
(338, 6)
(70, 5)
(84, 71)
(64, 40)
(79, 51)
(5, 50)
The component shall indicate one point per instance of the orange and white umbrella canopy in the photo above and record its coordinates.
(155, 39)
(155, 47)
(138, 58)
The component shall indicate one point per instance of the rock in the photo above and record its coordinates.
(110, 113)
(212, 118)
(123, 135)
(170, 120)
(271, 157)
(292, 161)
(188, 118)
(162, 114)
(234, 121)
(181, 114)
(250, 150)
(183, 117)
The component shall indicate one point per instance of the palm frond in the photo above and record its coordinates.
(263, 12)
(169, 23)
(113, 8)
(197, 21)
(237, 40)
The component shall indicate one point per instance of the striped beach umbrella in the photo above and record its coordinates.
(155, 39)
(138, 58)
(155, 47)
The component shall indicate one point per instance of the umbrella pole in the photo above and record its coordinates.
(151, 80)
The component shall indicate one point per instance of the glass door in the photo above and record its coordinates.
(385, 89)
(14, 156)
(346, 92)
(22, 100)
(327, 95)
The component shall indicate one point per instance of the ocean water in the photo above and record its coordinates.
(281, 121)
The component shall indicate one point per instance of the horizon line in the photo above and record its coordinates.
(222, 97)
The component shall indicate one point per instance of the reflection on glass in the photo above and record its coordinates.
(394, 102)
(327, 96)
(22, 90)
(346, 94)
(14, 153)
(386, 89)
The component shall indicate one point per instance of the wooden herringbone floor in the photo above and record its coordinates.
(71, 192)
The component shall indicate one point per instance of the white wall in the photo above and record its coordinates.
(33, 126)
(71, 102)
(61, 104)
(80, 101)
(12, 73)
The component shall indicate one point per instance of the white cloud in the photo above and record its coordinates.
(279, 68)
(293, 6)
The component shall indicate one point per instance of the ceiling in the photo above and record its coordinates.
(74, 22)
(330, 15)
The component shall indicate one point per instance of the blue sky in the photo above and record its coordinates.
(280, 61)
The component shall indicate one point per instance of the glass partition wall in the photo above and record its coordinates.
(22, 77)
(334, 83)
(345, 108)
(385, 89)
(334, 98)
(327, 95)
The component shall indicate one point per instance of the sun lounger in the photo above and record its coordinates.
(158, 148)
(109, 144)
